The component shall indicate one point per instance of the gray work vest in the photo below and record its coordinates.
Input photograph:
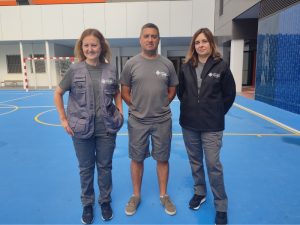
(81, 105)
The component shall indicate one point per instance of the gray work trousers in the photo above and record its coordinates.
(210, 144)
(90, 152)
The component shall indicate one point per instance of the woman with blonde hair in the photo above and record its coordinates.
(206, 92)
(92, 119)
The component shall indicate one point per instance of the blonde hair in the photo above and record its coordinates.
(105, 54)
(192, 55)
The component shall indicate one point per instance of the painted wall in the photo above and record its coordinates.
(114, 20)
(35, 79)
(14, 49)
(278, 60)
(59, 24)
(8, 49)
(231, 9)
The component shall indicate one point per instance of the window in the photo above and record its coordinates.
(124, 59)
(177, 62)
(221, 7)
(39, 64)
(13, 64)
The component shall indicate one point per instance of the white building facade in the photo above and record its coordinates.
(45, 32)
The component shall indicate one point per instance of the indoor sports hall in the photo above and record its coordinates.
(40, 182)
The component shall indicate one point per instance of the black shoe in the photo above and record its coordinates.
(87, 215)
(107, 213)
(221, 218)
(196, 201)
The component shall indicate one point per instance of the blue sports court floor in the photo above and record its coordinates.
(39, 181)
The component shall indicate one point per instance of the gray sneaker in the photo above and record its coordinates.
(132, 205)
(170, 208)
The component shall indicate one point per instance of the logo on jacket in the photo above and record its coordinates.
(161, 74)
(215, 75)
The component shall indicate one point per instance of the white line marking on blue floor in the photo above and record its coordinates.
(6, 106)
(15, 99)
(275, 122)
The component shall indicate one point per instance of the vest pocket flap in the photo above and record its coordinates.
(113, 120)
(111, 89)
(79, 125)
(80, 84)
(78, 79)
(110, 85)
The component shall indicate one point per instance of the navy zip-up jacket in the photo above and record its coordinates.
(205, 110)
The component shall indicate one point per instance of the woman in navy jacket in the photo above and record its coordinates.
(206, 92)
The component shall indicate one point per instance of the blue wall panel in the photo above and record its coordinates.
(278, 60)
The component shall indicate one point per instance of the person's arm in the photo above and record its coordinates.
(180, 87)
(125, 91)
(173, 82)
(229, 90)
(171, 93)
(59, 102)
(118, 101)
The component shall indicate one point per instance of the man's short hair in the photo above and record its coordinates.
(150, 25)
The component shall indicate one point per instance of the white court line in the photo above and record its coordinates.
(230, 134)
(12, 107)
(36, 106)
(275, 122)
(15, 99)
(15, 108)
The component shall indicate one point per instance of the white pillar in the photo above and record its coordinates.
(23, 65)
(119, 61)
(236, 62)
(33, 67)
(159, 48)
(48, 64)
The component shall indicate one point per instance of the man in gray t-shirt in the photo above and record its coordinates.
(149, 80)
(148, 86)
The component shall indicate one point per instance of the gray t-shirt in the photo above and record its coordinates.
(96, 74)
(199, 70)
(149, 80)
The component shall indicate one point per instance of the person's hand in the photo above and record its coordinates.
(67, 128)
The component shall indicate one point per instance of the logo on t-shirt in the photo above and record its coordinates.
(161, 74)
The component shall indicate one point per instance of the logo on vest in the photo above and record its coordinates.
(108, 81)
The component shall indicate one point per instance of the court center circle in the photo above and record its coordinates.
(37, 119)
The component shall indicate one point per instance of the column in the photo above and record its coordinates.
(236, 62)
(48, 64)
(159, 48)
(23, 68)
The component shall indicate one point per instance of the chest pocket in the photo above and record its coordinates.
(110, 86)
(80, 90)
